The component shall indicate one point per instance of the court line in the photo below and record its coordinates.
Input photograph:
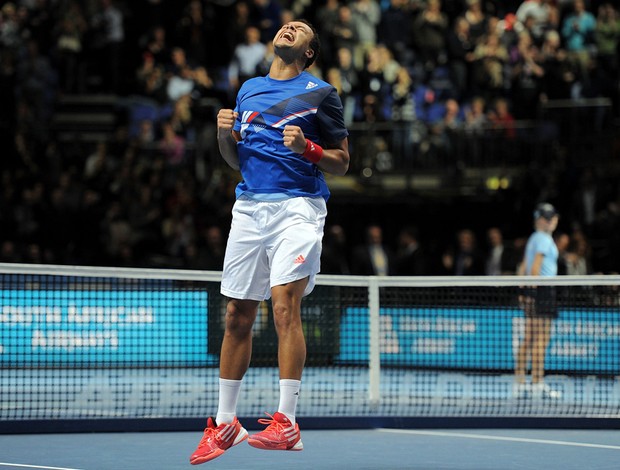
(500, 438)
(6, 464)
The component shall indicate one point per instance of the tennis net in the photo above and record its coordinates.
(88, 344)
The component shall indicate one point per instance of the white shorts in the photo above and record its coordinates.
(272, 243)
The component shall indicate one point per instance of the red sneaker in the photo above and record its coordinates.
(280, 434)
(218, 439)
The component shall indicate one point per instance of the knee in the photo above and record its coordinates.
(239, 321)
(285, 317)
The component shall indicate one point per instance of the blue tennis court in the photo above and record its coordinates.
(377, 449)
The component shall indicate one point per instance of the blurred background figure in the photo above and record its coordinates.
(372, 257)
(499, 258)
(410, 258)
(538, 304)
(464, 258)
(334, 256)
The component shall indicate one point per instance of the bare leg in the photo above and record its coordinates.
(542, 335)
(525, 351)
(286, 301)
(236, 349)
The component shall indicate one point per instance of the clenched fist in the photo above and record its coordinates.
(294, 139)
(226, 120)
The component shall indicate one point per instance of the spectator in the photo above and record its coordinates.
(344, 32)
(171, 145)
(36, 83)
(180, 75)
(430, 28)
(98, 165)
(181, 119)
(372, 257)
(562, 241)
(9, 252)
(192, 32)
(150, 79)
(376, 78)
(157, 45)
(477, 19)
(410, 258)
(587, 198)
(266, 15)
(239, 24)
(607, 36)
(559, 73)
(500, 260)
(578, 33)
(30, 213)
(460, 47)
(213, 248)
(476, 117)
(490, 57)
(10, 36)
(365, 16)
(403, 113)
(463, 259)
(335, 78)
(578, 256)
(68, 36)
(246, 58)
(146, 134)
(395, 31)
(442, 137)
(325, 19)
(262, 68)
(334, 255)
(527, 78)
(502, 120)
(349, 82)
(538, 12)
(40, 20)
(108, 25)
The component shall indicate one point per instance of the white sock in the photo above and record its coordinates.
(227, 405)
(289, 394)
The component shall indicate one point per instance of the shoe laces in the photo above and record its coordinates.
(210, 434)
(272, 424)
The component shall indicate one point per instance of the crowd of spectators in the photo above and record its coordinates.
(139, 198)
(470, 253)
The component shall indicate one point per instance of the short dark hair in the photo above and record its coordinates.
(315, 43)
(545, 210)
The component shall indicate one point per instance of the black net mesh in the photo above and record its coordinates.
(87, 347)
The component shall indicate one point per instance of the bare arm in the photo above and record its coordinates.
(227, 138)
(335, 157)
(537, 264)
(521, 268)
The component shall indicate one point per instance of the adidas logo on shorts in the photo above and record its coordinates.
(299, 260)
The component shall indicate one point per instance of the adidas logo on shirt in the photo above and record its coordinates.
(311, 85)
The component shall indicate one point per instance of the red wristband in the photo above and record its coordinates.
(313, 152)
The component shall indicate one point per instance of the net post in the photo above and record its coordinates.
(374, 346)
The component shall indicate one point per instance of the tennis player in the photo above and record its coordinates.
(538, 304)
(285, 129)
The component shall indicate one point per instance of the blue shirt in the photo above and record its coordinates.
(270, 170)
(542, 242)
(577, 40)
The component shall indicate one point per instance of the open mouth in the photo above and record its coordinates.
(288, 36)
